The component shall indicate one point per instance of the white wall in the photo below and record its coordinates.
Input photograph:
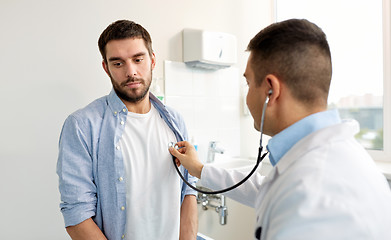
(209, 101)
(50, 66)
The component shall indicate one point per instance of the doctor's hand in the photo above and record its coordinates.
(188, 157)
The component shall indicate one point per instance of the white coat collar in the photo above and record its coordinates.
(347, 129)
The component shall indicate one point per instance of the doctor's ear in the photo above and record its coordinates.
(273, 84)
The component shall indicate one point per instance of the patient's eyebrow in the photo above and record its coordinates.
(139, 54)
(114, 59)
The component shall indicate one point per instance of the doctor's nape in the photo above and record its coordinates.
(323, 184)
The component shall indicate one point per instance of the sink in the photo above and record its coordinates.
(240, 164)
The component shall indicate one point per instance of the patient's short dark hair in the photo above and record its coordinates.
(123, 29)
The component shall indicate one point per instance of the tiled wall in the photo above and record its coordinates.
(209, 101)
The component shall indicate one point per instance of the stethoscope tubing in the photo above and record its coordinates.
(259, 160)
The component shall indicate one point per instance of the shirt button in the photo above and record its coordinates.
(115, 113)
(117, 147)
(122, 208)
(120, 179)
(122, 122)
(124, 110)
(123, 236)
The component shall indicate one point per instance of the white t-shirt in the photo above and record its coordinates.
(153, 188)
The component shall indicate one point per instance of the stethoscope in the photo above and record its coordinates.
(259, 160)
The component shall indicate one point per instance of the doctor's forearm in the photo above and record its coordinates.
(195, 169)
(189, 218)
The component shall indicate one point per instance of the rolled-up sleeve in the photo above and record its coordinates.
(75, 170)
(189, 191)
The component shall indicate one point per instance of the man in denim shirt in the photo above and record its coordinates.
(116, 177)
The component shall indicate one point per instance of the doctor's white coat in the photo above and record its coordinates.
(325, 187)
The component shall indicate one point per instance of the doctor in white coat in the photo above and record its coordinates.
(323, 185)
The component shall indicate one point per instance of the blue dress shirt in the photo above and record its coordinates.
(90, 164)
(284, 140)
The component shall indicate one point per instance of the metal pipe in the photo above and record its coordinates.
(221, 208)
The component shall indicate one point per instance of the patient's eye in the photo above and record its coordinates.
(139, 60)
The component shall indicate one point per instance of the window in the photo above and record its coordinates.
(358, 32)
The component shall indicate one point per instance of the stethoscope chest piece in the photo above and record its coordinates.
(172, 144)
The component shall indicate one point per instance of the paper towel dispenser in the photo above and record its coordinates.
(210, 50)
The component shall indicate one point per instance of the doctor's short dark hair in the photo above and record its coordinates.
(123, 29)
(297, 52)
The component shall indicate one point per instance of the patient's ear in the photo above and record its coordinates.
(153, 61)
(105, 67)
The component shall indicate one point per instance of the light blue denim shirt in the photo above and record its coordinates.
(280, 144)
(90, 166)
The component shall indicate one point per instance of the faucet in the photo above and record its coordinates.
(212, 149)
(210, 201)
(222, 210)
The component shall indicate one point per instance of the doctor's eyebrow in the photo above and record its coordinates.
(244, 75)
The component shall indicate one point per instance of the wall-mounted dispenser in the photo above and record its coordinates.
(210, 50)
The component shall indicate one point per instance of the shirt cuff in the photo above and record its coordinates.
(77, 214)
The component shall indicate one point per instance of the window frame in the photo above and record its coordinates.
(385, 154)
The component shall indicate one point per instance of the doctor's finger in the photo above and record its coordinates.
(183, 144)
(182, 150)
(178, 163)
(174, 152)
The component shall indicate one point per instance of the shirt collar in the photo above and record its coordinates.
(115, 103)
(118, 106)
(280, 144)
